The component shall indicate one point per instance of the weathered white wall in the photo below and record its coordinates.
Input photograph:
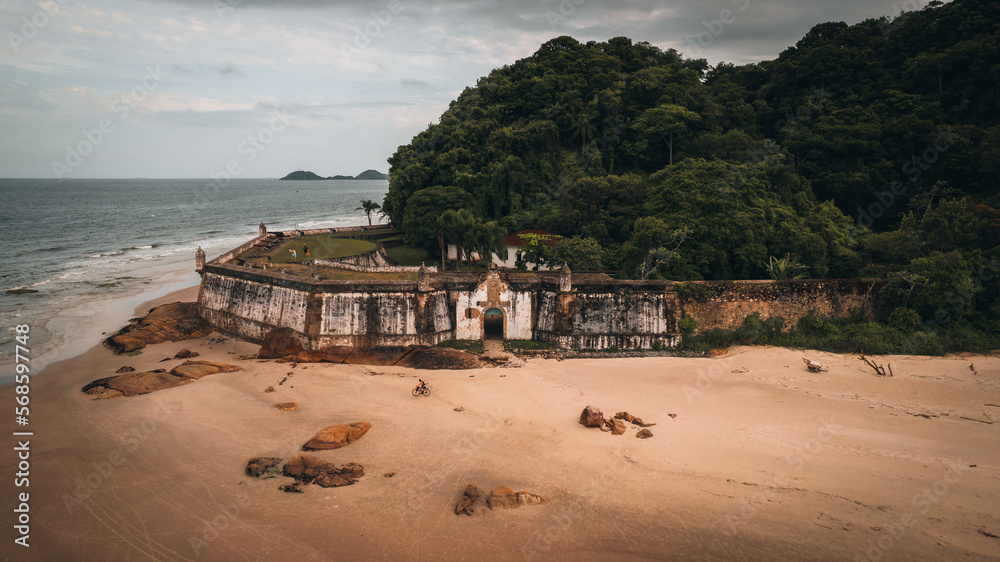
(250, 308)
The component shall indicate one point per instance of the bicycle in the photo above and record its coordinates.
(418, 391)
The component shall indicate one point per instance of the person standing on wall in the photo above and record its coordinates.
(292, 250)
(305, 250)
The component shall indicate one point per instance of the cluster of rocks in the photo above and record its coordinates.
(501, 497)
(593, 417)
(176, 321)
(305, 469)
(131, 383)
(285, 345)
(309, 469)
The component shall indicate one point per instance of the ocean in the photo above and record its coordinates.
(92, 248)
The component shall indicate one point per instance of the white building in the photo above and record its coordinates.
(514, 245)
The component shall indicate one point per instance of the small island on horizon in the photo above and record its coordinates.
(365, 175)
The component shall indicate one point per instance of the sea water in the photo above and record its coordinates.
(86, 245)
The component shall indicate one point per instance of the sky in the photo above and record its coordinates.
(257, 89)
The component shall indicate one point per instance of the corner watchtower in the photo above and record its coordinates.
(262, 230)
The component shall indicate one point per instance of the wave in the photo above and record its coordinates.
(39, 284)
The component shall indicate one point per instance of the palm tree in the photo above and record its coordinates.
(369, 207)
(455, 225)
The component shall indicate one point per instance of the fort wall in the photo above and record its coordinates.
(593, 312)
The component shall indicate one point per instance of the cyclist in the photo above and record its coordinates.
(421, 386)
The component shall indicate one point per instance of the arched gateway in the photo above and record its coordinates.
(493, 324)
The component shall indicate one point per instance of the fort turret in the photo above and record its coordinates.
(199, 260)
(262, 230)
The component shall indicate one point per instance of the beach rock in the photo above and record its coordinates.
(287, 406)
(624, 416)
(592, 417)
(199, 369)
(384, 355)
(337, 436)
(616, 426)
(269, 389)
(468, 498)
(258, 466)
(502, 497)
(280, 343)
(644, 434)
(527, 498)
(133, 384)
(304, 467)
(186, 354)
(20, 291)
(291, 488)
(333, 354)
(439, 358)
(389, 474)
(126, 369)
(176, 321)
(308, 468)
(640, 423)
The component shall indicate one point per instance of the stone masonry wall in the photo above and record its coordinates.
(725, 304)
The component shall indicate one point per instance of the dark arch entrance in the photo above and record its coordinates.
(493, 324)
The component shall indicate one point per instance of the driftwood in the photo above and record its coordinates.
(879, 369)
(813, 366)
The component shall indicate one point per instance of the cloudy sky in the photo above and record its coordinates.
(185, 88)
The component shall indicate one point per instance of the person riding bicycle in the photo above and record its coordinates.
(421, 386)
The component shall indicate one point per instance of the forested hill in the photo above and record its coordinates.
(863, 150)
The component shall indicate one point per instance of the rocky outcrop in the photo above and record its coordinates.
(337, 436)
(503, 497)
(133, 384)
(284, 344)
(439, 358)
(199, 369)
(280, 342)
(126, 369)
(634, 420)
(469, 497)
(259, 466)
(311, 469)
(592, 417)
(616, 426)
(171, 322)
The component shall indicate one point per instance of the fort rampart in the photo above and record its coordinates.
(574, 311)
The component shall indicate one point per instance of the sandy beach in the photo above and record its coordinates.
(761, 459)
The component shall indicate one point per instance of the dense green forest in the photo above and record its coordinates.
(870, 150)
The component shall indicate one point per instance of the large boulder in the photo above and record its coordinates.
(502, 497)
(260, 465)
(199, 369)
(439, 358)
(337, 436)
(592, 417)
(171, 322)
(280, 342)
(133, 384)
(308, 468)
(384, 355)
(468, 498)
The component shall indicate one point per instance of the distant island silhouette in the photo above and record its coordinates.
(365, 175)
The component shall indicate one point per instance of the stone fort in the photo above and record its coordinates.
(421, 306)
